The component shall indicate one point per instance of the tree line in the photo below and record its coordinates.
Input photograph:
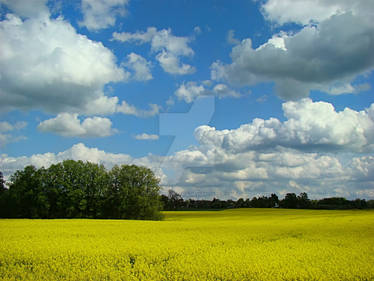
(77, 189)
(174, 201)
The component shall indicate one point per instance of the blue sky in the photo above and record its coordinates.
(220, 98)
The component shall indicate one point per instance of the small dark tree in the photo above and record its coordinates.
(217, 204)
(4, 198)
(303, 201)
(165, 202)
(274, 200)
(290, 201)
(2, 182)
(240, 203)
(370, 204)
(253, 202)
(175, 200)
(360, 203)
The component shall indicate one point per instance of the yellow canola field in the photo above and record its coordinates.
(240, 244)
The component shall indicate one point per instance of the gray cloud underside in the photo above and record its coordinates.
(327, 56)
(306, 11)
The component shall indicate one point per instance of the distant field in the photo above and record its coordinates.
(240, 244)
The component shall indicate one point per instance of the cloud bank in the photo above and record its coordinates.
(261, 157)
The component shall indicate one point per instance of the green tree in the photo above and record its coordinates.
(4, 198)
(2, 182)
(303, 201)
(95, 183)
(134, 193)
(76, 189)
(290, 201)
(175, 199)
(240, 203)
(63, 189)
(26, 193)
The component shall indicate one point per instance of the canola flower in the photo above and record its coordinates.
(240, 244)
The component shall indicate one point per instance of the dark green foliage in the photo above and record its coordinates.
(76, 189)
(174, 201)
(4, 198)
(303, 201)
(133, 193)
(370, 204)
(340, 203)
(264, 202)
(290, 201)
(2, 182)
(26, 193)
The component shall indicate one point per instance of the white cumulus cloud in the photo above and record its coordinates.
(310, 126)
(65, 73)
(145, 136)
(208, 171)
(99, 14)
(218, 172)
(139, 66)
(317, 149)
(306, 11)
(231, 37)
(69, 125)
(7, 132)
(327, 55)
(78, 152)
(129, 109)
(6, 126)
(192, 90)
(168, 48)
(27, 9)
